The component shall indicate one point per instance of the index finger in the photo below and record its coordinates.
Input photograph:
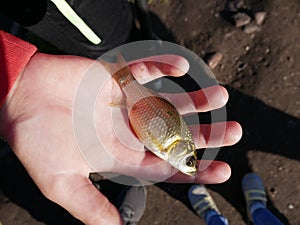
(153, 67)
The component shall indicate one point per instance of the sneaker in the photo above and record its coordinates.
(133, 205)
(254, 192)
(201, 200)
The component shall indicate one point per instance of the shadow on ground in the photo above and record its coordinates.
(266, 129)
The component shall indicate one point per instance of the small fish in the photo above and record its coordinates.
(157, 123)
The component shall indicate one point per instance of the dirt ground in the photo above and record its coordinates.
(261, 71)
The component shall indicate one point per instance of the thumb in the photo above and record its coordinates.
(82, 199)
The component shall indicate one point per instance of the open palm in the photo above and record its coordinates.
(38, 124)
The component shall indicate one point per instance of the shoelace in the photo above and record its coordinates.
(205, 204)
(127, 213)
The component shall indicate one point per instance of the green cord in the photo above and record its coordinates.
(71, 15)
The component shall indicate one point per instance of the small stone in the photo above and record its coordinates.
(241, 66)
(260, 17)
(241, 19)
(95, 177)
(240, 4)
(260, 59)
(231, 6)
(279, 168)
(273, 191)
(251, 28)
(213, 59)
(97, 186)
(237, 84)
(291, 206)
(228, 35)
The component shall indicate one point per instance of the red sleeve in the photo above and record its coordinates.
(14, 55)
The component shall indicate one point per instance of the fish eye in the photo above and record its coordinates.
(190, 161)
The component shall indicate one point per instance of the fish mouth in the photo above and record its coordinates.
(190, 172)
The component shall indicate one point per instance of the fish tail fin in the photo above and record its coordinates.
(120, 71)
(123, 74)
(121, 61)
(120, 68)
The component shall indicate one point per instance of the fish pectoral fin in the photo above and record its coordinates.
(114, 104)
(118, 98)
(118, 102)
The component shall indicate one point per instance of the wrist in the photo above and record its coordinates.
(5, 109)
(15, 55)
(15, 106)
(47, 82)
